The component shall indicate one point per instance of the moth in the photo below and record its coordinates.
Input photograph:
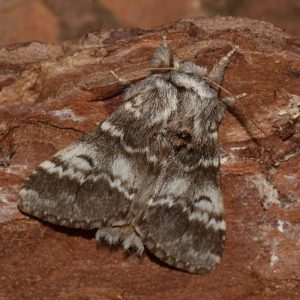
(148, 176)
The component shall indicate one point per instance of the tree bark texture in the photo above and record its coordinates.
(50, 95)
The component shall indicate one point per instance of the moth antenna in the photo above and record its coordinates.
(121, 80)
(231, 100)
(219, 86)
(217, 72)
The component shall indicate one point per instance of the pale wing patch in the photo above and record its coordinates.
(122, 168)
(163, 201)
(115, 132)
(135, 111)
(176, 187)
(111, 129)
(77, 149)
(71, 156)
(51, 168)
(205, 205)
(217, 225)
(199, 216)
(204, 163)
(215, 196)
(80, 163)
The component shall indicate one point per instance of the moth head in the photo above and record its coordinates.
(163, 58)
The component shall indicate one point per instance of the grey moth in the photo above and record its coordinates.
(148, 176)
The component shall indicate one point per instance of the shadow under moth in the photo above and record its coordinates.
(148, 176)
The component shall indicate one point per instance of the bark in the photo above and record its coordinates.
(52, 94)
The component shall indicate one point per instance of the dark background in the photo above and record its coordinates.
(58, 20)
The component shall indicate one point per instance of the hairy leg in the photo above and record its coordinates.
(124, 235)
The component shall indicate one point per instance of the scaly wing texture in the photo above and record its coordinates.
(94, 182)
(183, 223)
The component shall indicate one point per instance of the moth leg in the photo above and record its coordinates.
(126, 235)
(217, 72)
(133, 241)
(111, 235)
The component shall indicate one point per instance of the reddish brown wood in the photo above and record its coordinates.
(51, 94)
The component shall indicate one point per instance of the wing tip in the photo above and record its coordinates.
(201, 263)
(26, 204)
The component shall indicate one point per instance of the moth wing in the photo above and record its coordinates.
(84, 185)
(92, 184)
(183, 224)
